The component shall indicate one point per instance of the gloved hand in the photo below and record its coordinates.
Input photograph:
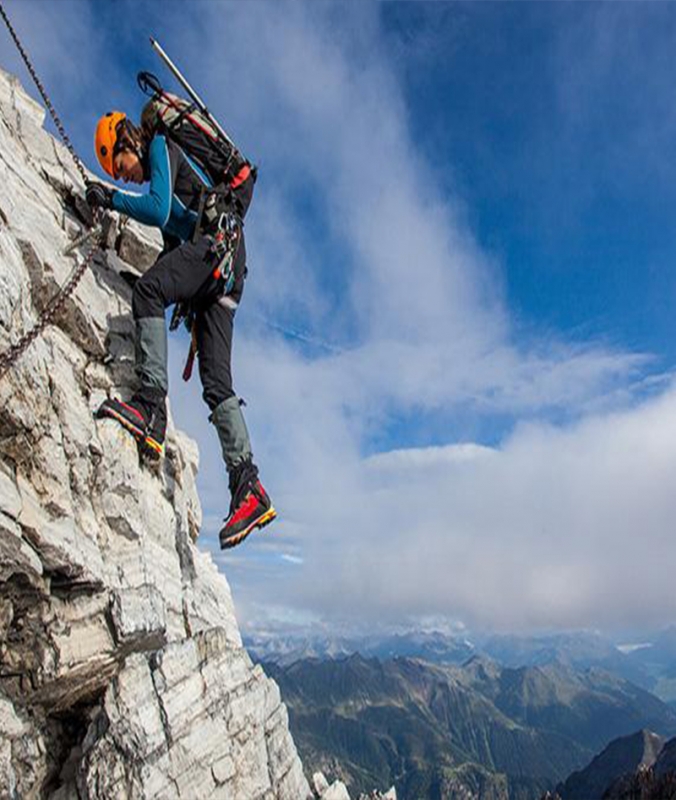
(99, 196)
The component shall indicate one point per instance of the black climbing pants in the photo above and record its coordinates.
(185, 274)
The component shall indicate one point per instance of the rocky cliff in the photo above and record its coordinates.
(122, 671)
(636, 767)
(626, 755)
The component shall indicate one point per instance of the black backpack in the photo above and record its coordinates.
(184, 123)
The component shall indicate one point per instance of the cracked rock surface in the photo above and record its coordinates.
(338, 791)
(122, 671)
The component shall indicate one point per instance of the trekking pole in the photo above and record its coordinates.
(193, 94)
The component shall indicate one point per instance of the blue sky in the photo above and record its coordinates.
(556, 126)
(457, 337)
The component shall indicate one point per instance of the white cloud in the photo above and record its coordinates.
(558, 527)
(419, 458)
(291, 559)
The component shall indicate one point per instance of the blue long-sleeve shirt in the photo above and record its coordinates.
(172, 200)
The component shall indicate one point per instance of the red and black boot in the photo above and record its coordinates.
(250, 507)
(144, 416)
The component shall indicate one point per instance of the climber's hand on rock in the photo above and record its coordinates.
(99, 196)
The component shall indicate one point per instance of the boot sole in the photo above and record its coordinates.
(266, 519)
(137, 433)
(152, 449)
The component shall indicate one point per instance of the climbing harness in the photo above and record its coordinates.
(97, 234)
(224, 247)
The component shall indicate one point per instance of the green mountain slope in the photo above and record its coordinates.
(437, 732)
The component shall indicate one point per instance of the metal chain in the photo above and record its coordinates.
(10, 356)
(45, 97)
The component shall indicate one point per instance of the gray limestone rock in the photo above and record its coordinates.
(22, 765)
(122, 670)
(191, 720)
(336, 791)
(139, 245)
(319, 783)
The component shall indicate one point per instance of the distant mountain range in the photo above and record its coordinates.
(435, 647)
(651, 664)
(439, 732)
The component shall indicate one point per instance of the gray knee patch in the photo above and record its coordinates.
(151, 352)
(229, 422)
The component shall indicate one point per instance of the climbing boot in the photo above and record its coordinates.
(144, 416)
(250, 507)
(153, 444)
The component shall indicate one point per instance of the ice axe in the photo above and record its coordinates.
(188, 88)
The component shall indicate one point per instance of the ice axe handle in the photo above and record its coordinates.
(176, 72)
(189, 363)
(192, 352)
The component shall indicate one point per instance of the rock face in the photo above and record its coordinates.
(338, 791)
(627, 754)
(122, 671)
(666, 761)
(636, 767)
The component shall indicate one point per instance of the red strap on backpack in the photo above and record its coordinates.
(241, 176)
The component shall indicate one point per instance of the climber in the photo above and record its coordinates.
(184, 273)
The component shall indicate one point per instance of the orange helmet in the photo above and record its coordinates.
(105, 139)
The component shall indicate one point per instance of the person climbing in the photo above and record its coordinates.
(184, 273)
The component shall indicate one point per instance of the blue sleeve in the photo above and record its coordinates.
(154, 207)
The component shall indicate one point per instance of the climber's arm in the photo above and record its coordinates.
(154, 207)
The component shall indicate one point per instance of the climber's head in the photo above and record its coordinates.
(120, 147)
(128, 167)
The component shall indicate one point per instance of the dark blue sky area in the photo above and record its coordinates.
(555, 123)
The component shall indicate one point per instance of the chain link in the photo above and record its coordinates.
(10, 356)
(45, 97)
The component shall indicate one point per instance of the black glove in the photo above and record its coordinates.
(99, 196)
